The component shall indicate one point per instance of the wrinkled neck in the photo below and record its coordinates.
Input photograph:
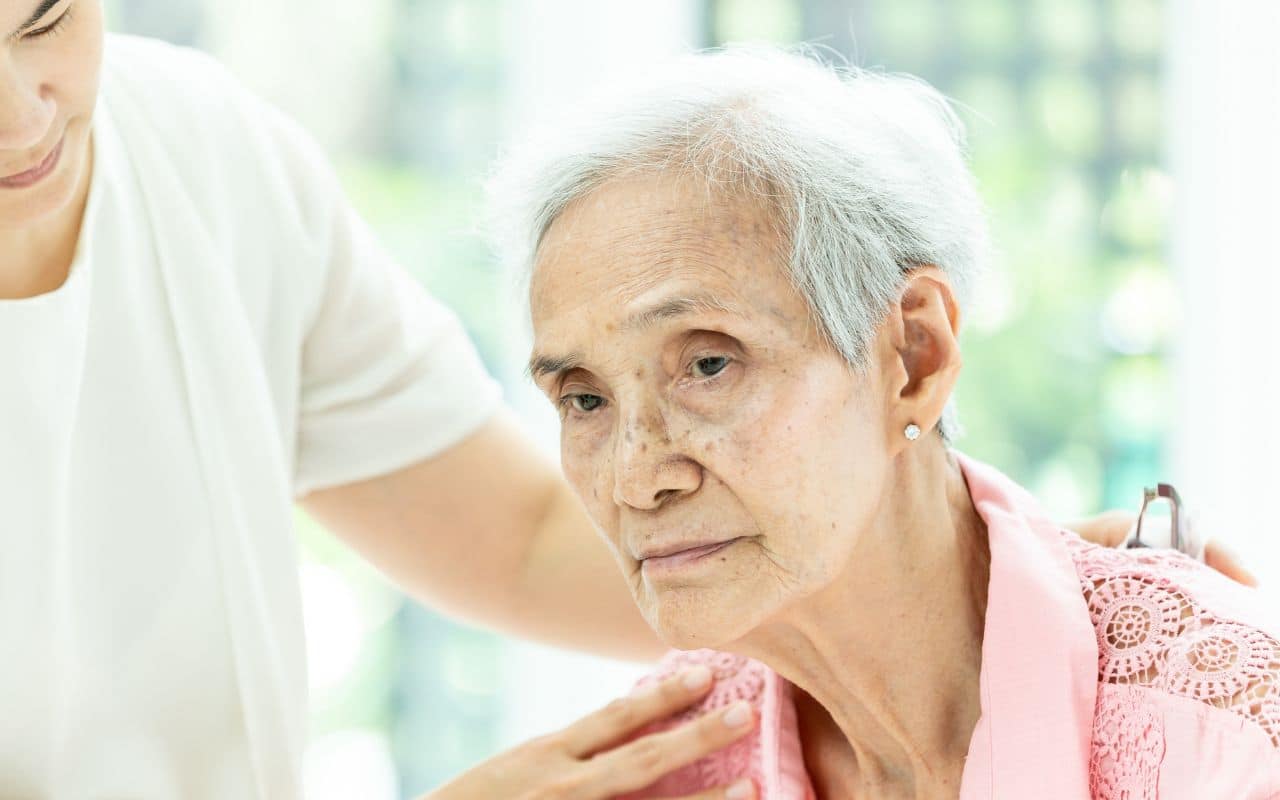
(886, 659)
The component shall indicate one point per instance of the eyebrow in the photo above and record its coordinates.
(678, 307)
(672, 308)
(551, 365)
(40, 11)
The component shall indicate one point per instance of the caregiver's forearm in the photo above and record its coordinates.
(489, 532)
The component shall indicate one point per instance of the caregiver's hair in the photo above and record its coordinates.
(864, 172)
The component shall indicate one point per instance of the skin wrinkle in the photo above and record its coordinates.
(677, 307)
(857, 563)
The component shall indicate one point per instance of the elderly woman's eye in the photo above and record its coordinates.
(585, 402)
(710, 366)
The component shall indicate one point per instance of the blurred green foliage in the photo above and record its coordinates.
(1066, 382)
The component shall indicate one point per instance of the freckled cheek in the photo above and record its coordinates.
(585, 457)
(760, 428)
(717, 426)
(794, 417)
(774, 453)
(723, 435)
(721, 403)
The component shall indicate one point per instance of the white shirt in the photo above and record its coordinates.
(230, 337)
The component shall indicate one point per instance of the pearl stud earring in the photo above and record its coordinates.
(912, 432)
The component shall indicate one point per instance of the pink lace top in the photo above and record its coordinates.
(1106, 674)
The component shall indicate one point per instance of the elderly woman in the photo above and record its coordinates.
(747, 282)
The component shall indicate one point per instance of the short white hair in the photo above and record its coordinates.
(865, 172)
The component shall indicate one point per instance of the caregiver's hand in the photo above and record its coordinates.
(587, 760)
(1112, 528)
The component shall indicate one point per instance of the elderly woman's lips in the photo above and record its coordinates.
(683, 558)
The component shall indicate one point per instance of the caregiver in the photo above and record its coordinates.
(197, 331)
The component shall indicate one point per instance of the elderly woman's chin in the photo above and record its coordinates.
(709, 613)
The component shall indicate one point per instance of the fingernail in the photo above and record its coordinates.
(739, 714)
(696, 677)
(740, 790)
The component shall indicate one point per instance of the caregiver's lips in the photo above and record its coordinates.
(674, 557)
(35, 174)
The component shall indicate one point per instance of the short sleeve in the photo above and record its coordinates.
(389, 376)
(380, 374)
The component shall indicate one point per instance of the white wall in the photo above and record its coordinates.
(1224, 137)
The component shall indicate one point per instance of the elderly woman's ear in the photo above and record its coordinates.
(921, 351)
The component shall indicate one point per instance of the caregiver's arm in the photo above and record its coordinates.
(489, 532)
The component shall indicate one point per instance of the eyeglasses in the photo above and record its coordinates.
(1180, 540)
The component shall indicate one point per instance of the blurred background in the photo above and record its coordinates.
(1126, 151)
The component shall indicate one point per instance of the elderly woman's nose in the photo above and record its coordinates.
(648, 470)
(26, 113)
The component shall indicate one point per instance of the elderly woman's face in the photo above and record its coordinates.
(728, 454)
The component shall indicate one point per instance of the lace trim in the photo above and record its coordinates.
(736, 678)
(1128, 747)
(1155, 632)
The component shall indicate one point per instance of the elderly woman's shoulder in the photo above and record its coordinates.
(1167, 623)
(770, 755)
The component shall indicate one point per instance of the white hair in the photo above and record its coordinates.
(864, 171)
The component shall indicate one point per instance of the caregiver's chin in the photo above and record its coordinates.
(49, 67)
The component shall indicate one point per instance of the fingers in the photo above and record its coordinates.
(739, 790)
(1218, 556)
(1112, 528)
(639, 763)
(1109, 529)
(626, 715)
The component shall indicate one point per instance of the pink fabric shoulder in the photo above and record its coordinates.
(1189, 678)
(1187, 708)
(770, 755)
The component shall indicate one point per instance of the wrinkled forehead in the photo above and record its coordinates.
(637, 234)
